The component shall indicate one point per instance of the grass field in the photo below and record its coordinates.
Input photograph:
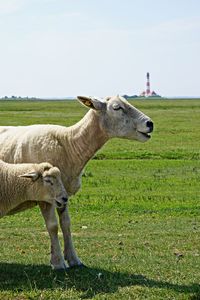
(135, 223)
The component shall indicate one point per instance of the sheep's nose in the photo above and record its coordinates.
(65, 199)
(150, 125)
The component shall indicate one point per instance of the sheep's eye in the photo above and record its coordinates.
(48, 181)
(117, 107)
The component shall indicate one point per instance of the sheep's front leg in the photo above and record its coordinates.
(48, 212)
(69, 251)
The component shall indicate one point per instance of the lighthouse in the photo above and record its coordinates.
(148, 92)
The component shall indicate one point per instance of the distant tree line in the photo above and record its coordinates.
(17, 98)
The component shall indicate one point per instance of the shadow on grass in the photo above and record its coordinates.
(90, 281)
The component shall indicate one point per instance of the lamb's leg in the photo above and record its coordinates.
(69, 251)
(48, 212)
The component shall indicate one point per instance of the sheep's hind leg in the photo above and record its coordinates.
(48, 212)
(69, 251)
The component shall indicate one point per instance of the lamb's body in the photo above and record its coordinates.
(70, 148)
(14, 190)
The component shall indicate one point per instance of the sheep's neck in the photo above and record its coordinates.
(86, 138)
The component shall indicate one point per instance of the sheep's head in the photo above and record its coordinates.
(47, 180)
(118, 118)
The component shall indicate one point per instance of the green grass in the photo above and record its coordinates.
(140, 204)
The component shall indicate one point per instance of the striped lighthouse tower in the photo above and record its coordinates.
(148, 92)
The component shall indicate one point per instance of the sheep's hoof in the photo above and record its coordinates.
(58, 268)
(80, 266)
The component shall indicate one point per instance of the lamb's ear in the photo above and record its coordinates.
(92, 102)
(32, 175)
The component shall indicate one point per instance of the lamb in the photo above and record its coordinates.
(70, 148)
(25, 185)
(17, 193)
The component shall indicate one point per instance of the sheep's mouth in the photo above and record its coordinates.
(146, 135)
(58, 204)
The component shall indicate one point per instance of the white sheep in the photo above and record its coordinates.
(70, 148)
(24, 185)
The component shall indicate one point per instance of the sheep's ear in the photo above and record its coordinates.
(92, 102)
(32, 175)
(107, 98)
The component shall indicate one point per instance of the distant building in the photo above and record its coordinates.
(147, 92)
(154, 94)
(143, 94)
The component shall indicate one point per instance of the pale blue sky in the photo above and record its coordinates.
(59, 48)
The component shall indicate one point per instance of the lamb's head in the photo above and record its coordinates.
(118, 118)
(47, 184)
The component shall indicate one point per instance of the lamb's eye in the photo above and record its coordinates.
(48, 181)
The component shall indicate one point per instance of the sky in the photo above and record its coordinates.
(65, 48)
